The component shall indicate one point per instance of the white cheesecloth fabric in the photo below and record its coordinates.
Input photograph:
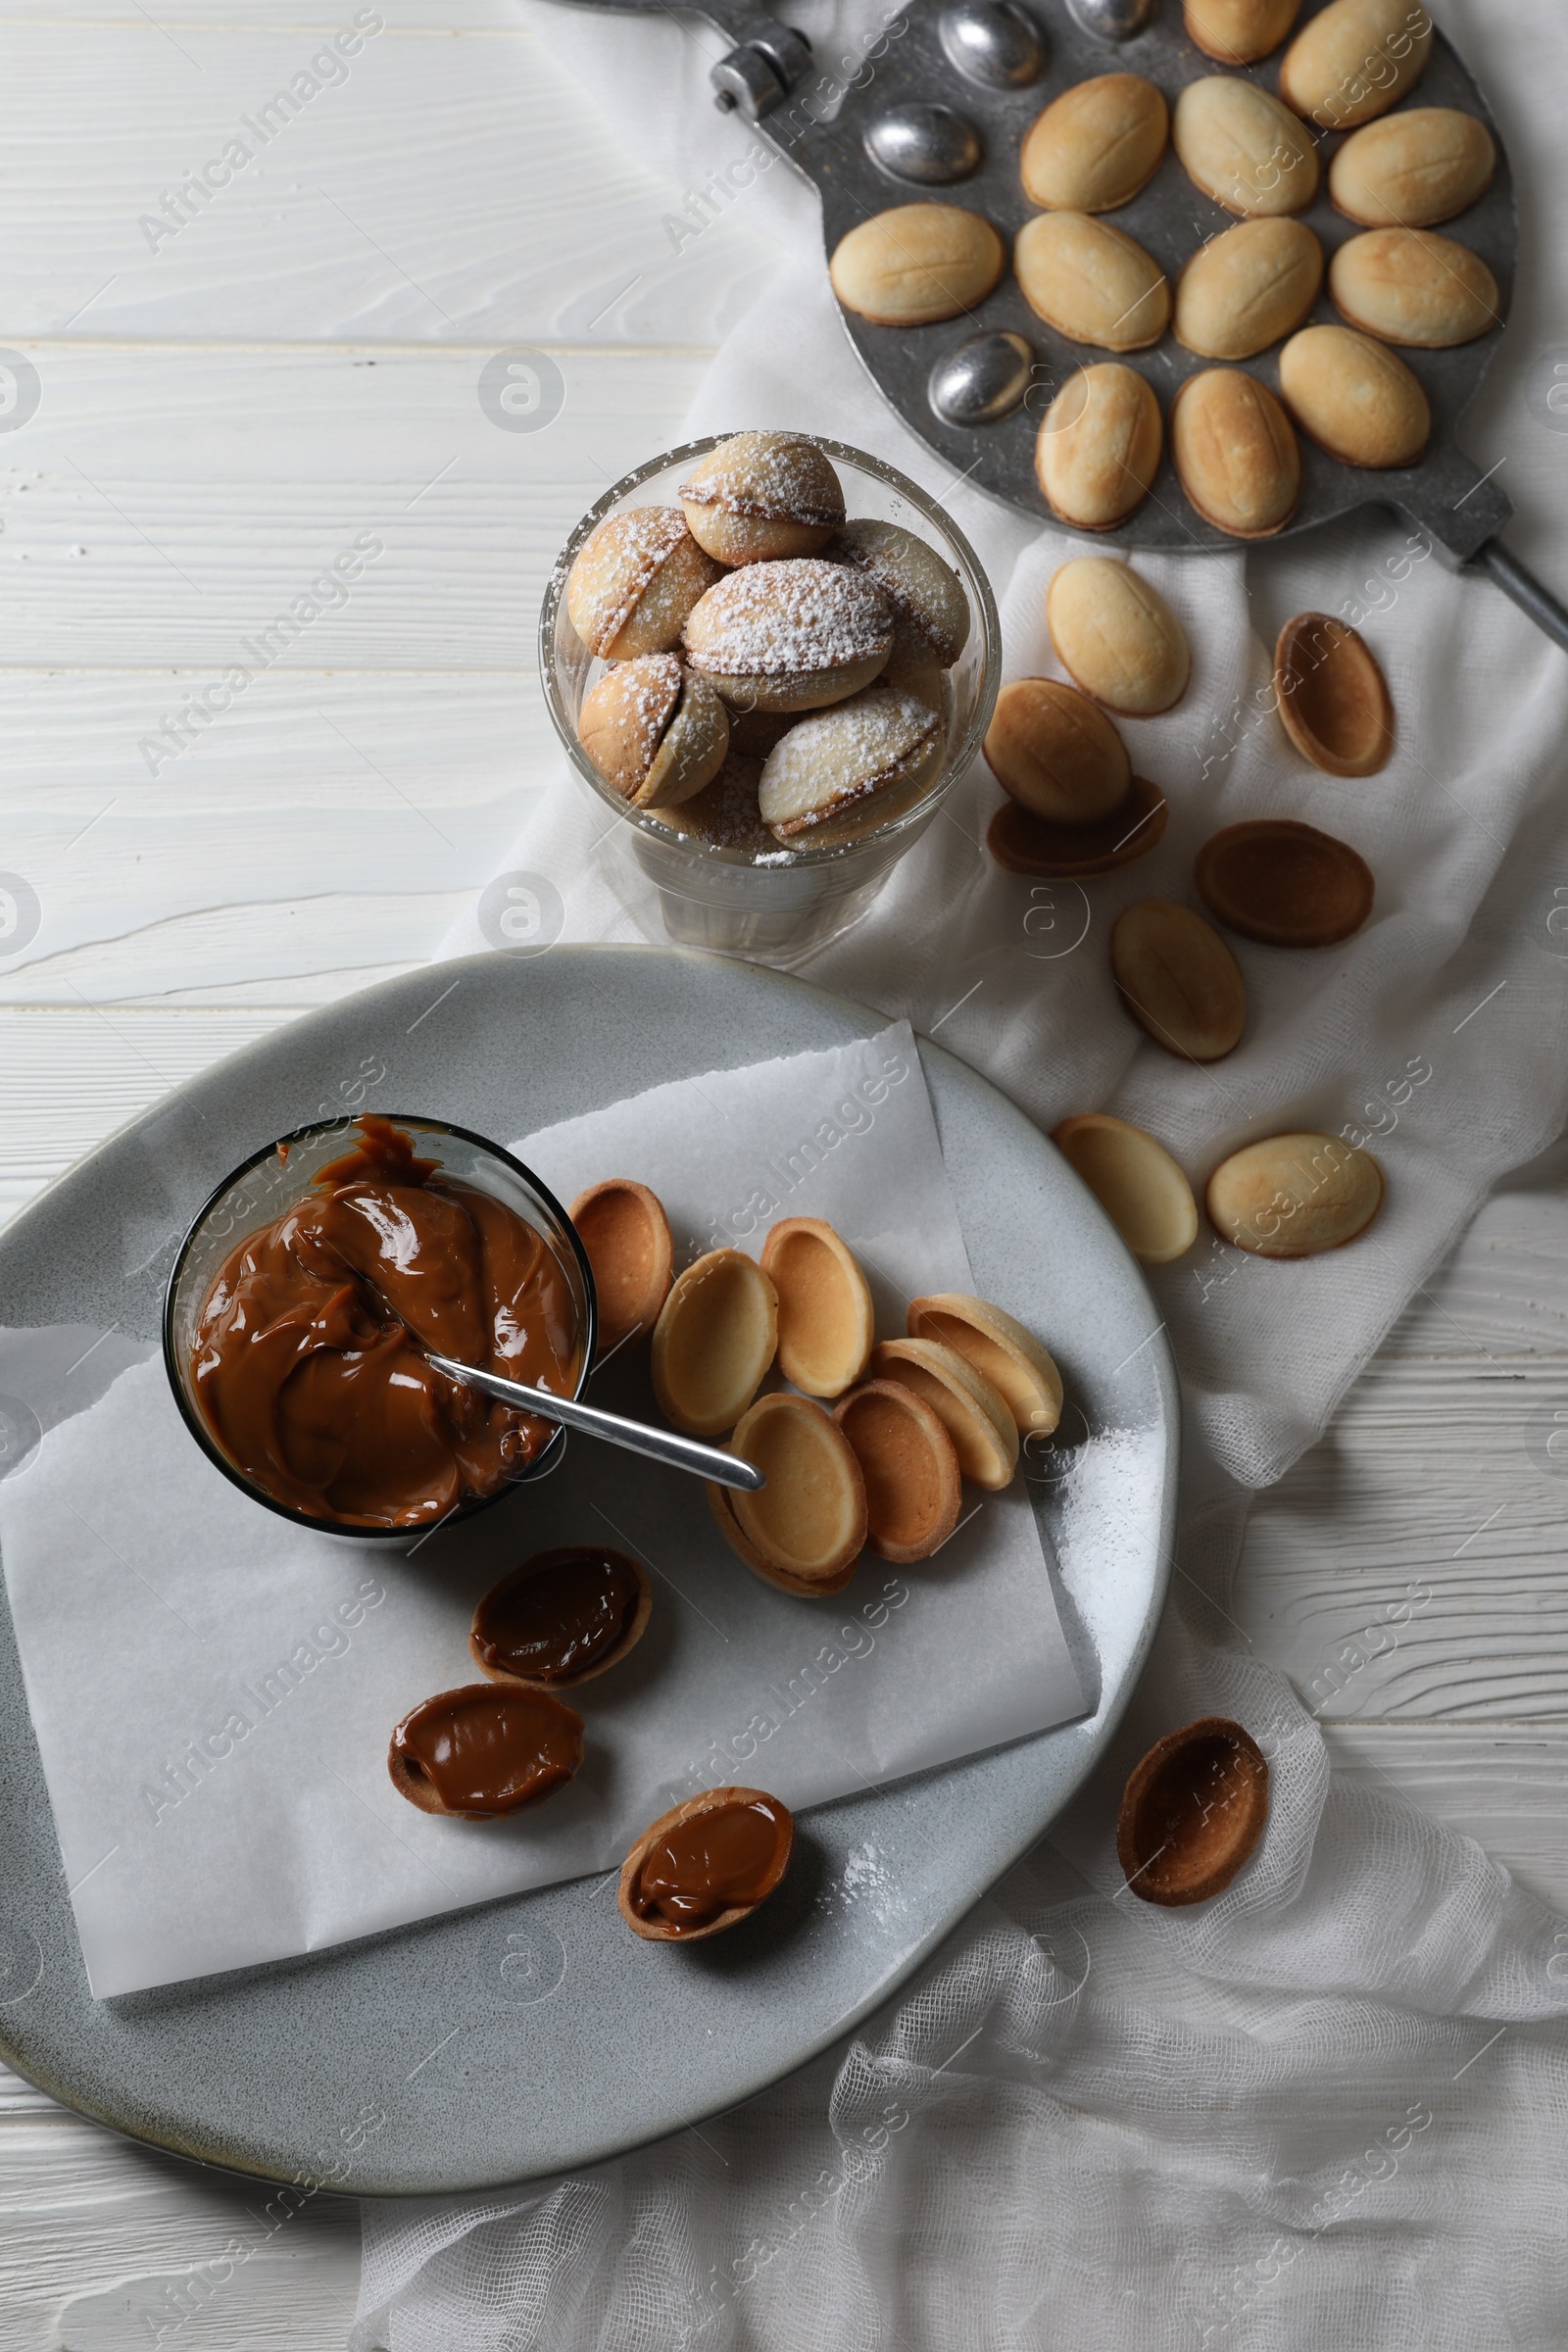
(1325, 2109)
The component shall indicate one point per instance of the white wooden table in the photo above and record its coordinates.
(225, 407)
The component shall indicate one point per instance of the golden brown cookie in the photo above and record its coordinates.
(626, 1232)
(1285, 883)
(1333, 698)
(1291, 1196)
(1116, 636)
(1243, 148)
(917, 263)
(1095, 145)
(760, 495)
(808, 1524)
(1356, 399)
(913, 1490)
(1248, 289)
(996, 1346)
(713, 1343)
(1178, 980)
(826, 1322)
(1057, 753)
(1091, 281)
(1192, 1812)
(1414, 169)
(1411, 287)
(1098, 447)
(1135, 1180)
(1355, 59)
(633, 582)
(656, 732)
(984, 1434)
(1235, 453)
(792, 635)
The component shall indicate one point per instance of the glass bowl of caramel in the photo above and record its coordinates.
(310, 1286)
(706, 872)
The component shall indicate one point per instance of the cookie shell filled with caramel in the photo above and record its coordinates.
(792, 635)
(714, 1342)
(930, 611)
(563, 1618)
(482, 1752)
(1192, 1812)
(626, 1234)
(633, 582)
(706, 1865)
(826, 1322)
(913, 1486)
(760, 495)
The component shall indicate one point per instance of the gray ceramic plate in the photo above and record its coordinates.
(532, 2034)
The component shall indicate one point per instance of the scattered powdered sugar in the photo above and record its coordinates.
(867, 1881)
(779, 477)
(769, 619)
(724, 813)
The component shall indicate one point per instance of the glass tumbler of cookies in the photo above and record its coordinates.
(769, 656)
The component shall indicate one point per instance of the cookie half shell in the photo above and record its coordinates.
(626, 1234)
(713, 1343)
(826, 1322)
(984, 1434)
(913, 1487)
(809, 1521)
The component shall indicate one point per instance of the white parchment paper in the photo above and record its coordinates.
(214, 1691)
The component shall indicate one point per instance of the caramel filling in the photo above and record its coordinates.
(723, 1860)
(486, 1750)
(310, 1363)
(558, 1614)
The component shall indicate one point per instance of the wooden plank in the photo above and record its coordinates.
(330, 829)
(104, 2243)
(154, 514)
(530, 222)
(1415, 1564)
(1501, 1784)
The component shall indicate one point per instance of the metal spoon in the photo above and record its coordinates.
(660, 1444)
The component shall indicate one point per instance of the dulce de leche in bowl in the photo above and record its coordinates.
(309, 1290)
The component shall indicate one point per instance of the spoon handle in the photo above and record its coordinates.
(660, 1444)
